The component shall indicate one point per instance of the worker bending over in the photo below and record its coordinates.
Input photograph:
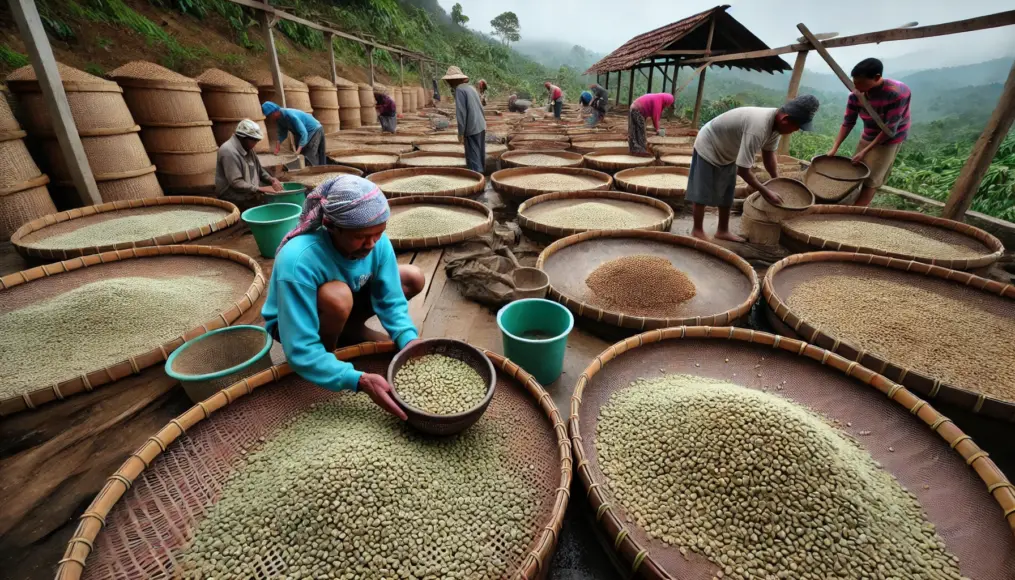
(651, 106)
(306, 130)
(387, 111)
(469, 115)
(555, 98)
(239, 177)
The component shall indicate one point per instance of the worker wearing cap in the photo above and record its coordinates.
(727, 146)
(239, 177)
(307, 131)
(469, 114)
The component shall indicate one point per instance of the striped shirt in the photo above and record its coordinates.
(891, 102)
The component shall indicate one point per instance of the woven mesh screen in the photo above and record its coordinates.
(138, 187)
(91, 112)
(155, 214)
(186, 163)
(23, 206)
(157, 106)
(16, 164)
(645, 214)
(107, 155)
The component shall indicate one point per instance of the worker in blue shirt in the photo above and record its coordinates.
(307, 131)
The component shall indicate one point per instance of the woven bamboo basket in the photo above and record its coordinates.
(586, 147)
(988, 248)
(686, 140)
(348, 97)
(221, 215)
(136, 184)
(188, 184)
(517, 158)
(655, 214)
(796, 197)
(96, 104)
(597, 136)
(431, 159)
(367, 160)
(297, 94)
(108, 156)
(445, 148)
(234, 419)
(198, 137)
(16, 163)
(374, 138)
(396, 94)
(538, 145)
(383, 178)
(29, 287)
(519, 137)
(431, 139)
(629, 180)
(311, 177)
(338, 147)
(833, 178)
(727, 286)
(186, 163)
(459, 204)
(931, 456)
(503, 180)
(980, 293)
(159, 97)
(613, 159)
(8, 123)
(368, 115)
(676, 158)
(222, 131)
(323, 93)
(23, 203)
(414, 99)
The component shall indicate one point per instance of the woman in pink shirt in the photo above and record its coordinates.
(650, 105)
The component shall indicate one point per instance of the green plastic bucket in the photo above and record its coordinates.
(213, 361)
(534, 333)
(270, 223)
(291, 193)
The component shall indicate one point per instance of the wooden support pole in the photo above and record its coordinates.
(630, 89)
(276, 72)
(44, 63)
(701, 80)
(791, 93)
(607, 86)
(370, 57)
(976, 166)
(618, 86)
(331, 55)
(422, 74)
(401, 71)
(650, 71)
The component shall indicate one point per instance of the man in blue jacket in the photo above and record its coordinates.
(332, 272)
(306, 130)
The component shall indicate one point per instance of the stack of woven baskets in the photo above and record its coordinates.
(324, 100)
(23, 192)
(367, 112)
(348, 104)
(395, 93)
(109, 136)
(297, 96)
(175, 128)
(411, 99)
(229, 100)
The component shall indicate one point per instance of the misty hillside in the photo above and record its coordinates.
(554, 54)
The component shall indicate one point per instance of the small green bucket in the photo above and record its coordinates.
(534, 333)
(270, 223)
(291, 193)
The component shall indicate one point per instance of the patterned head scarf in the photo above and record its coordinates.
(345, 201)
(268, 107)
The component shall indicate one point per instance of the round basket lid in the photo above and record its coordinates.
(654, 181)
(438, 181)
(932, 329)
(424, 221)
(115, 313)
(542, 158)
(899, 234)
(264, 80)
(567, 213)
(317, 82)
(526, 182)
(724, 285)
(135, 223)
(431, 159)
(250, 421)
(218, 80)
(24, 80)
(142, 73)
(947, 473)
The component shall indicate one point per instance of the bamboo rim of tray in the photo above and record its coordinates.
(535, 225)
(403, 157)
(919, 382)
(524, 192)
(598, 136)
(368, 167)
(296, 174)
(574, 159)
(622, 179)
(190, 235)
(382, 177)
(179, 125)
(39, 181)
(992, 243)
(586, 149)
(437, 241)
(12, 135)
(592, 159)
(538, 144)
(187, 86)
(137, 362)
(101, 177)
(72, 565)
(586, 310)
(236, 89)
(637, 556)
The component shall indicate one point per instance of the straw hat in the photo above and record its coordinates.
(454, 73)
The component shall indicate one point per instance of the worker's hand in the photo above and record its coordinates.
(276, 185)
(858, 158)
(379, 391)
(266, 189)
(278, 146)
(771, 196)
(832, 152)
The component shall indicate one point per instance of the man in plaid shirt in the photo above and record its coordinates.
(890, 99)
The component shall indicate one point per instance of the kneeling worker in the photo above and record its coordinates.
(239, 177)
(332, 272)
(726, 147)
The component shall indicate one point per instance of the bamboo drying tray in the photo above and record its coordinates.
(32, 286)
(348, 157)
(598, 136)
(795, 195)
(125, 544)
(585, 147)
(66, 221)
(955, 498)
(529, 211)
(459, 204)
(276, 165)
(538, 145)
(781, 280)
(727, 286)
(306, 175)
(430, 139)
(833, 178)
(545, 136)
(675, 158)
(416, 159)
(624, 181)
(502, 179)
(952, 231)
(512, 158)
(381, 178)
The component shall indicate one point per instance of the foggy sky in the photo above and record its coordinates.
(603, 25)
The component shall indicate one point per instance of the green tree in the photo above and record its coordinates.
(506, 27)
(456, 15)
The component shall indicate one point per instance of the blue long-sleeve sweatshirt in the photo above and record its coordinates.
(300, 123)
(304, 264)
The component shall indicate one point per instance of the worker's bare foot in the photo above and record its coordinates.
(700, 234)
(729, 237)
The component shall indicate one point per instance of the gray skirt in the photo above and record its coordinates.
(711, 185)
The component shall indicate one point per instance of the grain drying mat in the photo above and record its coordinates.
(134, 223)
(567, 213)
(900, 234)
(431, 159)
(726, 285)
(541, 158)
(441, 181)
(311, 177)
(943, 334)
(366, 160)
(154, 503)
(184, 291)
(526, 182)
(832, 178)
(653, 181)
(424, 221)
(961, 489)
(616, 159)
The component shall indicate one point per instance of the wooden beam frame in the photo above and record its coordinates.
(701, 81)
(630, 88)
(276, 72)
(331, 58)
(650, 71)
(791, 93)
